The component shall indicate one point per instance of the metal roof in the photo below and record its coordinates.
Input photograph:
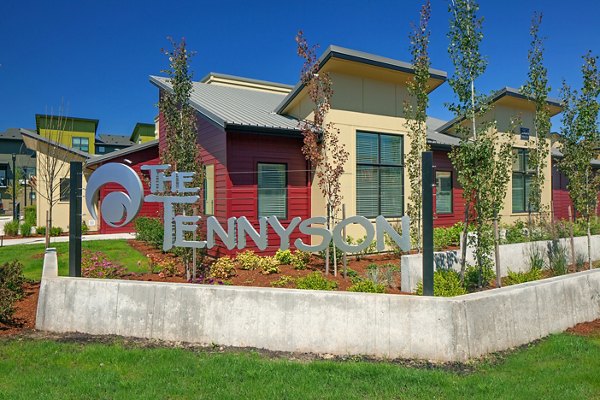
(11, 134)
(32, 141)
(435, 137)
(122, 152)
(556, 153)
(505, 91)
(117, 140)
(242, 79)
(231, 107)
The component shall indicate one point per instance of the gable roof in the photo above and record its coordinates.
(11, 134)
(362, 57)
(36, 142)
(95, 160)
(235, 108)
(504, 92)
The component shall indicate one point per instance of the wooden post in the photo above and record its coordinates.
(344, 256)
(497, 251)
(573, 258)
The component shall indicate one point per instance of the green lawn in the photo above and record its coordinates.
(32, 256)
(561, 367)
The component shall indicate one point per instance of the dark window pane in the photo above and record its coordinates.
(391, 150)
(272, 190)
(518, 193)
(367, 191)
(391, 191)
(367, 148)
(443, 192)
(65, 189)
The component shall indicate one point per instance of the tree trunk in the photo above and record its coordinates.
(463, 258)
(344, 256)
(573, 255)
(47, 241)
(327, 248)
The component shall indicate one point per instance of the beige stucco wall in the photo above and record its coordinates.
(60, 211)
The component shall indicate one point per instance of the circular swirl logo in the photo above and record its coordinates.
(117, 208)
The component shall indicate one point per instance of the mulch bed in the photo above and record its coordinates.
(25, 310)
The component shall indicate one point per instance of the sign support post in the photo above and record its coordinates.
(427, 182)
(75, 219)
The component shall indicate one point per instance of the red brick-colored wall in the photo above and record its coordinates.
(441, 162)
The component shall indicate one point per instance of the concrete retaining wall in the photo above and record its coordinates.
(341, 323)
(514, 257)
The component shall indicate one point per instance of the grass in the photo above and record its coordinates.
(561, 367)
(32, 256)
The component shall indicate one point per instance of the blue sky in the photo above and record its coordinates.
(95, 57)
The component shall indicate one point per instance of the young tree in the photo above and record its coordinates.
(416, 113)
(581, 142)
(537, 89)
(51, 168)
(182, 151)
(483, 157)
(322, 147)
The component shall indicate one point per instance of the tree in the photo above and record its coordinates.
(537, 90)
(483, 157)
(322, 147)
(181, 130)
(417, 116)
(581, 142)
(51, 168)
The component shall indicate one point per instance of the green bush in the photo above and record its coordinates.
(97, 265)
(472, 276)
(149, 230)
(11, 228)
(370, 249)
(84, 228)
(223, 268)
(515, 278)
(448, 236)
(268, 265)
(40, 230)
(31, 215)
(315, 281)
(56, 231)
(300, 259)
(516, 233)
(247, 260)
(446, 283)
(557, 258)
(338, 253)
(382, 274)
(26, 229)
(11, 288)
(367, 286)
(284, 256)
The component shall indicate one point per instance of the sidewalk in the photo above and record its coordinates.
(58, 239)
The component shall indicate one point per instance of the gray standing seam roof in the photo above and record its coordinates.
(231, 107)
(117, 140)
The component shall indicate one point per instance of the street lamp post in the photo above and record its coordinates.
(14, 186)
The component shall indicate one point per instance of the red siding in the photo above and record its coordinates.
(443, 163)
(245, 151)
(148, 156)
(561, 200)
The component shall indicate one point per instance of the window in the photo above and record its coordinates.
(443, 192)
(521, 180)
(379, 175)
(272, 190)
(65, 189)
(101, 150)
(81, 143)
(3, 175)
(209, 189)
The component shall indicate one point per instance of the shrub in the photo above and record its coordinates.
(472, 276)
(448, 236)
(97, 265)
(268, 265)
(11, 288)
(31, 215)
(84, 228)
(149, 230)
(371, 248)
(248, 260)
(55, 231)
(315, 281)
(515, 278)
(536, 257)
(163, 264)
(382, 274)
(338, 253)
(516, 233)
(284, 281)
(26, 229)
(300, 259)
(11, 228)
(446, 283)
(284, 256)
(367, 286)
(40, 230)
(223, 268)
(557, 258)
(580, 261)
